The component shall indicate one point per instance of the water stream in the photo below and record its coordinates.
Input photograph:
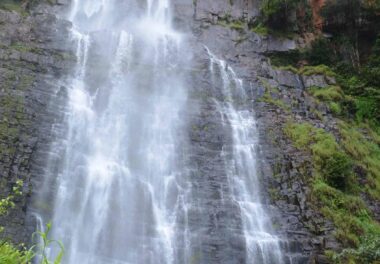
(262, 246)
(122, 189)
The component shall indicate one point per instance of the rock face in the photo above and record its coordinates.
(31, 60)
(285, 170)
(35, 53)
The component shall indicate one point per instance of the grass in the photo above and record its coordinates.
(330, 163)
(9, 254)
(11, 5)
(317, 70)
(260, 29)
(335, 190)
(299, 133)
(268, 96)
(306, 70)
(366, 154)
(288, 68)
(329, 93)
(348, 212)
(335, 108)
(228, 21)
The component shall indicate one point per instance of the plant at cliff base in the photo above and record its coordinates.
(44, 244)
(7, 203)
(10, 254)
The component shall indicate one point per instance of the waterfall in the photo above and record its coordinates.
(119, 186)
(124, 190)
(262, 246)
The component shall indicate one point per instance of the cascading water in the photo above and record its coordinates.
(261, 246)
(125, 193)
(119, 187)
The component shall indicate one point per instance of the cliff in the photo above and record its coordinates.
(317, 124)
(32, 57)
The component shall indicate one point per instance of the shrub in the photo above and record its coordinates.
(299, 133)
(260, 29)
(12, 255)
(366, 153)
(9, 254)
(330, 93)
(330, 163)
(319, 69)
(366, 108)
(349, 214)
(337, 171)
(320, 52)
(335, 108)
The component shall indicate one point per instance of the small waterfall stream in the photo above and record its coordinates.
(123, 189)
(262, 246)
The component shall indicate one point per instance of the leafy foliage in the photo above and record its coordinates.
(279, 15)
(7, 203)
(45, 243)
(11, 254)
(334, 187)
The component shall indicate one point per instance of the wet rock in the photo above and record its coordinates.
(285, 78)
(314, 81)
(27, 95)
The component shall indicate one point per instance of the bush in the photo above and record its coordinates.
(366, 153)
(300, 134)
(321, 52)
(366, 108)
(337, 171)
(335, 108)
(276, 14)
(319, 69)
(367, 252)
(350, 216)
(330, 93)
(11, 255)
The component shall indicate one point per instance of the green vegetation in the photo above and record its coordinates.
(317, 70)
(330, 163)
(46, 242)
(335, 108)
(365, 151)
(7, 203)
(20, 6)
(281, 17)
(270, 94)
(228, 21)
(299, 133)
(335, 188)
(330, 93)
(351, 54)
(344, 170)
(12, 5)
(353, 221)
(11, 254)
(8, 252)
(260, 29)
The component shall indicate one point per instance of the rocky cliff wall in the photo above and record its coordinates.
(35, 53)
(32, 59)
(277, 96)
